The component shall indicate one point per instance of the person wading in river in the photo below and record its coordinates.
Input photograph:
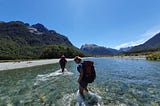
(62, 62)
(87, 74)
(82, 83)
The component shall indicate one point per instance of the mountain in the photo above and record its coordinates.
(125, 49)
(95, 50)
(152, 44)
(20, 40)
(48, 37)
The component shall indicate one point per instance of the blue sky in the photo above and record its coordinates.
(109, 23)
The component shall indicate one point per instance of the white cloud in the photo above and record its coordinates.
(129, 44)
(144, 37)
(151, 32)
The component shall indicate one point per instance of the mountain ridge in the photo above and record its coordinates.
(152, 44)
(21, 40)
(95, 50)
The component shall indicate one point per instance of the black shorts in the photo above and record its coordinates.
(83, 84)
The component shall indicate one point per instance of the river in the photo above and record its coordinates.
(120, 82)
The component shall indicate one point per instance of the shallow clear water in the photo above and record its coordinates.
(120, 82)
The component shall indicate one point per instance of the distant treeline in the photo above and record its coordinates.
(55, 51)
(150, 54)
(140, 52)
(48, 52)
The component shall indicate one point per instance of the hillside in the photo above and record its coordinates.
(19, 40)
(152, 44)
(95, 50)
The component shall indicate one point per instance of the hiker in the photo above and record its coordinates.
(62, 62)
(82, 83)
(87, 74)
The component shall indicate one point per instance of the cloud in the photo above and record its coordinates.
(143, 38)
(151, 32)
(129, 44)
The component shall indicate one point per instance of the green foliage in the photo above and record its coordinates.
(144, 50)
(7, 57)
(17, 42)
(139, 53)
(25, 52)
(55, 51)
(154, 56)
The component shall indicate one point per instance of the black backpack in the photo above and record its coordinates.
(89, 71)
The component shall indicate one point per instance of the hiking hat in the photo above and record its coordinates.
(62, 56)
(77, 58)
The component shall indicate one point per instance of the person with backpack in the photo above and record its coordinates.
(62, 62)
(87, 74)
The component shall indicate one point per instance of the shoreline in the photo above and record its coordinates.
(26, 64)
(32, 63)
(132, 57)
(143, 57)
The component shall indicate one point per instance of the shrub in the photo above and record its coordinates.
(153, 56)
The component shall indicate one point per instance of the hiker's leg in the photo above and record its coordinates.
(81, 91)
(86, 89)
(62, 69)
(85, 86)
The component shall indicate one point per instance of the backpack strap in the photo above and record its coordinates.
(81, 66)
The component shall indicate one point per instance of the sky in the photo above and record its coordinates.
(108, 23)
